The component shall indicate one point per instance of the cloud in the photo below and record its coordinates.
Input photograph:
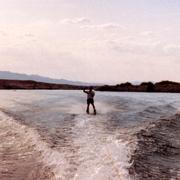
(81, 20)
(153, 48)
(106, 26)
(130, 47)
(172, 49)
(30, 35)
(30, 60)
(146, 33)
(3, 33)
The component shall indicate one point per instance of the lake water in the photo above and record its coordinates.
(48, 135)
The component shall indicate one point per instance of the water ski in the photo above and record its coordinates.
(94, 113)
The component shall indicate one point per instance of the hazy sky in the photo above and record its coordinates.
(92, 40)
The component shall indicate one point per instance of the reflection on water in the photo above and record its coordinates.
(47, 135)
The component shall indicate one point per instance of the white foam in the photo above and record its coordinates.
(30, 137)
(100, 156)
(80, 108)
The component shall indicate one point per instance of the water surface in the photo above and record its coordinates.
(48, 135)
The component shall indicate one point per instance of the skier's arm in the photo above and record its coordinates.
(84, 90)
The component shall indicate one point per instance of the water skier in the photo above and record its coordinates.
(90, 99)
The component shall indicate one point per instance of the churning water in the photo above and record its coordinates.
(48, 135)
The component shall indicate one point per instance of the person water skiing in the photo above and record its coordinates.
(90, 99)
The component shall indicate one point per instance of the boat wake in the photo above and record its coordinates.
(46, 135)
(157, 153)
(80, 150)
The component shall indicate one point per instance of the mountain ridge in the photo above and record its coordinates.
(8, 75)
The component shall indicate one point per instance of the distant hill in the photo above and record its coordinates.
(30, 85)
(163, 86)
(18, 76)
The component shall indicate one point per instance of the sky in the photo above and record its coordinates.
(105, 41)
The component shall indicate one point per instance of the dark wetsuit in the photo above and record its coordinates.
(90, 100)
(90, 97)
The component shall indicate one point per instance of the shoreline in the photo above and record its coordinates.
(163, 86)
